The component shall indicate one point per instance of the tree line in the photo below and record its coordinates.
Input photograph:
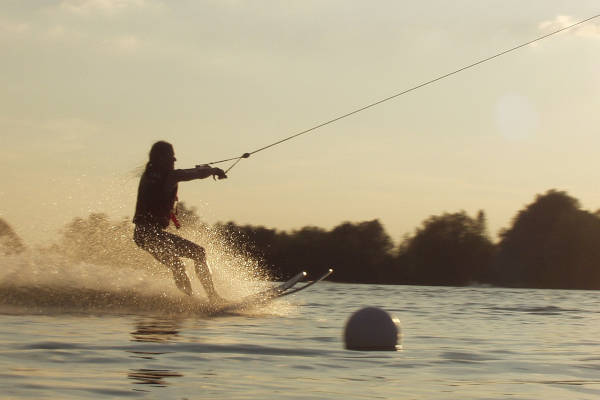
(551, 243)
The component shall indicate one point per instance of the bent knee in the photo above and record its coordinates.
(138, 239)
(199, 254)
(176, 266)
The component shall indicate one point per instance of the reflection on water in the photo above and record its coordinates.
(153, 330)
(156, 330)
(146, 355)
(153, 377)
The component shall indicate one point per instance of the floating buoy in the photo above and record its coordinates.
(371, 328)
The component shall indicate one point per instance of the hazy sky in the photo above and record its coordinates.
(89, 85)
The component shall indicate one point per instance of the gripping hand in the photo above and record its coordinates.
(219, 173)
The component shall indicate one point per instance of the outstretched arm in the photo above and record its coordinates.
(200, 172)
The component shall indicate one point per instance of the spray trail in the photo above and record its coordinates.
(95, 267)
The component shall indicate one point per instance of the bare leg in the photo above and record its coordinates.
(181, 279)
(205, 276)
(167, 248)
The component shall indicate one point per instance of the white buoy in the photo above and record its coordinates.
(371, 328)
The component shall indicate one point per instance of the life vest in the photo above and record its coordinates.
(155, 202)
(173, 215)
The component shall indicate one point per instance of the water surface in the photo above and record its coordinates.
(468, 343)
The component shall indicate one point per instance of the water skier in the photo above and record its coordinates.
(157, 194)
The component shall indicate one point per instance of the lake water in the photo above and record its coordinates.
(457, 343)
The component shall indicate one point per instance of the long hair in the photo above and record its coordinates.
(161, 157)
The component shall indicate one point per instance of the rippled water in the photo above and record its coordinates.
(467, 343)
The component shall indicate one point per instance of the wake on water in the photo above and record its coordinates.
(51, 280)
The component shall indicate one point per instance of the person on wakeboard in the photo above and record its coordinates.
(157, 194)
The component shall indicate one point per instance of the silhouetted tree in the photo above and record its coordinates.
(305, 249)
(101, 241)
(552, 243)
(10, 242)
(451, 249)
(360, 252)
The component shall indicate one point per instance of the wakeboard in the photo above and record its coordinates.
(309, 284)
(273, 293)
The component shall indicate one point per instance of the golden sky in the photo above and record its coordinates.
(89, 85)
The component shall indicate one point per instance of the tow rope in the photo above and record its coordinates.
(356, 111)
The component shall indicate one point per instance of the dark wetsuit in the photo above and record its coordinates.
(157, 194)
